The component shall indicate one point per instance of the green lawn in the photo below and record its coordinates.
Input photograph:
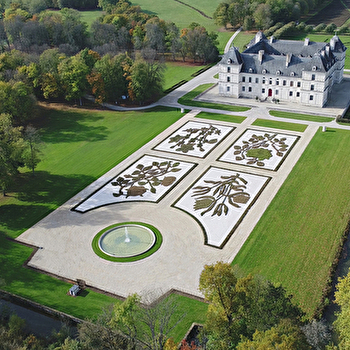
(242, 39)
(177, 71)
(187, 100)
(296, 240)
(300, 116)
(80, 146)
(221, 117)
(279, 125)
(165, 9)
(90, 16)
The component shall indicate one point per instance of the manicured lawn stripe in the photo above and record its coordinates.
(300, 116)
(296, 240)
(187, 100)
(279, 125)
(221, 117)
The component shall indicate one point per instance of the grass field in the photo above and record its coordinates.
(187, 100)
(80, 145)
(90, 16)
(177, 71)
(296, 240)
(279, 125)
(300, 116)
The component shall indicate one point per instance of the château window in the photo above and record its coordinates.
(263, 80)
(228, 79)
(291, 83)
(243, 79)
(313, 77)
(243, 88)
(228, 89)
(250, 79)
(262, 91)
(284, 82)
(311, 97)
(256, 80)
(276, 92)
(270, 81)
(228, 69)
(312, 87)
(250, 89)
(277, 81)
(298, 94)
(290, 93)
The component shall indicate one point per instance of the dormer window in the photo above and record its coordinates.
(292, 74)
(278, 72)
(314, 68)
(229, 61)
(250, 70)
(264, 71)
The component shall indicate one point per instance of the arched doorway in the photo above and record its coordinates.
(270, 92)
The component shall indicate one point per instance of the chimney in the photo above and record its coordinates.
(272, 39)
(258, 36)
(327, 50)
(261, 55)
(288, 59)
(306, 42)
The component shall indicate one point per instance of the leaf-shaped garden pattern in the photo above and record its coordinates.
(146, 178)
(216, 196)
(259, 148)
(195, 138)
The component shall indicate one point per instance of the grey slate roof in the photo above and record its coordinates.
(308, 57)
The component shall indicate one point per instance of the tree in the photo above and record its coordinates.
(112, 71)
(240, 305)
(11, 149)
(145, 80)
(221, 15)
(99, 335)
(73, 74)
(147, 326)
(31, 154)
(317, 333)
(342, 323)
(285, 336)
(262, 16)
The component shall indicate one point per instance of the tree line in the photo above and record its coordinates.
(125, 28)
(261, 14)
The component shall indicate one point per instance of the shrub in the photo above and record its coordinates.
(343, 29)
(272, 29)
(320, 28)
(331, 28)
(288, 29)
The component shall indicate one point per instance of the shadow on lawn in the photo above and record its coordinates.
(70, 126)
(38, 196)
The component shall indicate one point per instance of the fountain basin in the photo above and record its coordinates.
(127, 242)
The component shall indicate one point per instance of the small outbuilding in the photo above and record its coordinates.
(74, 290)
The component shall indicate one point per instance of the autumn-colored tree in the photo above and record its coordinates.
(342, 323)
(97, 86)
(240, 305)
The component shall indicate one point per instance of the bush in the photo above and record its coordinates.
(272, 29)
(331, 28)
(309, 28)
(301, 27)
(286, 30)
(320, 28)
(343, 29)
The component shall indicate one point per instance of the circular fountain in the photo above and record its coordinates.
(127, 240)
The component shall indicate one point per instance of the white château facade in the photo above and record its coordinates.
(286, 70)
